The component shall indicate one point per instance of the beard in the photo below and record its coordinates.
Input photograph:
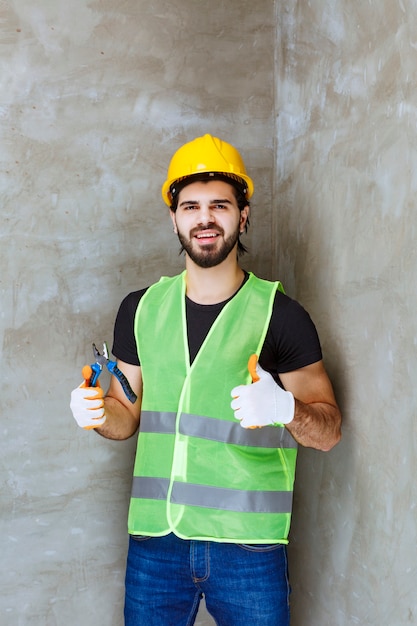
(211, 254)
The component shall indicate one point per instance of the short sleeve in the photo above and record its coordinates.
(292, 341)
(124, 343)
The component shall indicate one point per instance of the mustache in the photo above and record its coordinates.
(200, 229)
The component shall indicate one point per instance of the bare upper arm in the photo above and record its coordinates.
(310, 384)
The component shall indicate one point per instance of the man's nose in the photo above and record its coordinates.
(205, 214)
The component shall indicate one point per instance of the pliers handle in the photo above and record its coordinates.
(97, 368)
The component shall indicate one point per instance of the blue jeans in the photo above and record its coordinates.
(243, 585)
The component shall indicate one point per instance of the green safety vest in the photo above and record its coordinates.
(197, 472)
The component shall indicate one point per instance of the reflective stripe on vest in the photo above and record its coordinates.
(213, 497)
(216, 430)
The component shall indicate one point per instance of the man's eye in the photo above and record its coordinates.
(220, 206)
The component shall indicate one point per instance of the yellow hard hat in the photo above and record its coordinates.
(206, 155)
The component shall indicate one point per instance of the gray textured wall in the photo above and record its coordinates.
(346, 190)
(94, 98)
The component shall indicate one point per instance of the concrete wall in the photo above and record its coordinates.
(95, 97)
(346, 223)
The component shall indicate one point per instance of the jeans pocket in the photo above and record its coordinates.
(259, 547)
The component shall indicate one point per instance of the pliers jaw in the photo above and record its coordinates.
(101, 358)
(100, 361)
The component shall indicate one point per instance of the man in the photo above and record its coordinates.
(212, 487)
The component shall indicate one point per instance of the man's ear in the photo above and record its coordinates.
(174, 222)
(244, 216)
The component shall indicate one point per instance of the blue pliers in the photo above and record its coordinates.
(102, 360)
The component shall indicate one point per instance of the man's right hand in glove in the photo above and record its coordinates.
(87, 406)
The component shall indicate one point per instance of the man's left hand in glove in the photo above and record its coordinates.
(262, 403)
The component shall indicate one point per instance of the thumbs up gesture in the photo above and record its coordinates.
(262, 403)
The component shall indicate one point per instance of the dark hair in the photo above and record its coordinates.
(239, 189)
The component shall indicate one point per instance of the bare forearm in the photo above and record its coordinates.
(120, 422)
(316, 425)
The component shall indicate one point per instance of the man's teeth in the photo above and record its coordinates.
(206, 235)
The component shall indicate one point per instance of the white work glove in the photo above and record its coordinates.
(262, 403)
(87, 406)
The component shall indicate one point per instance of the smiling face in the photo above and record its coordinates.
(208, 221)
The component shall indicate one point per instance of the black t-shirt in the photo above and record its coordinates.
(291, 341)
